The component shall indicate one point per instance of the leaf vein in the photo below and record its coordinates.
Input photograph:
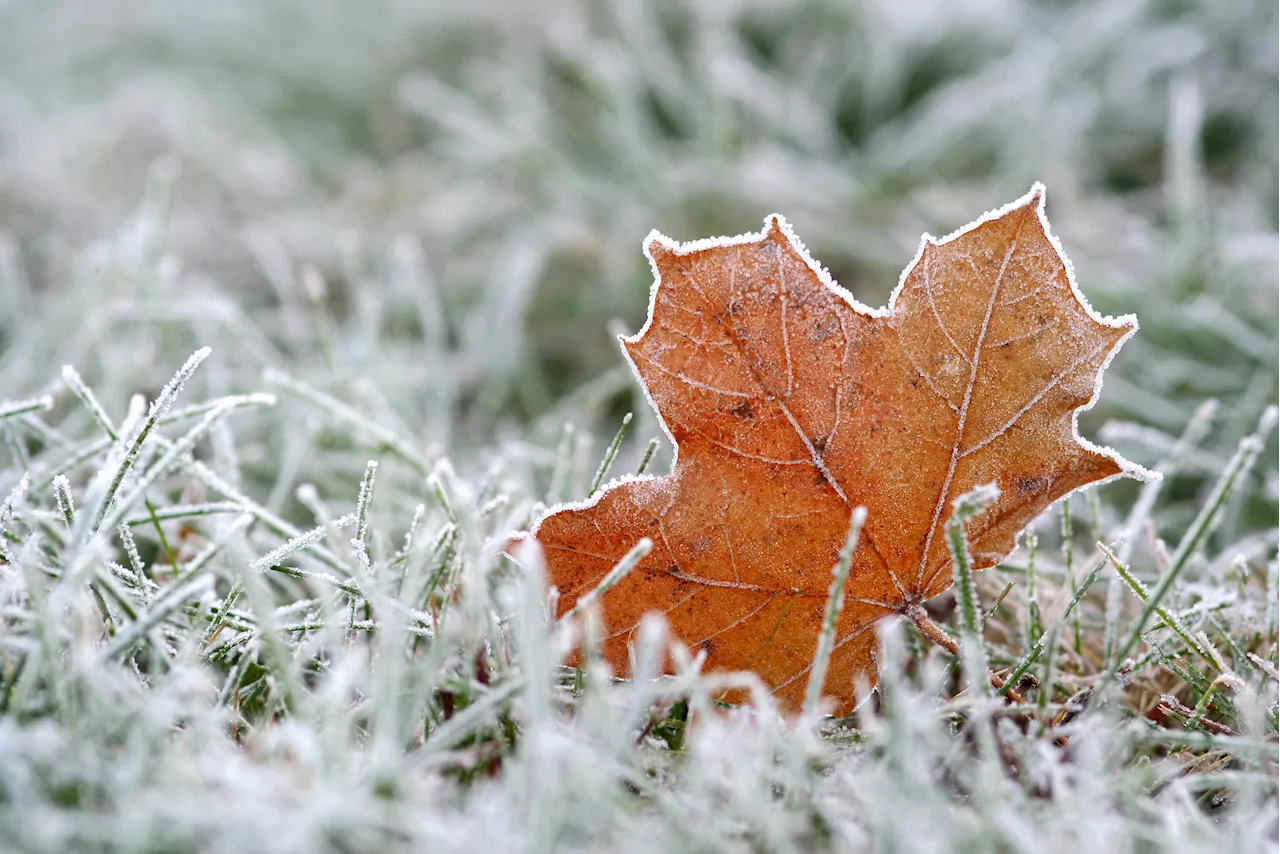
(964, 405)
(928, 289)
(1052, 384)
(690, 381)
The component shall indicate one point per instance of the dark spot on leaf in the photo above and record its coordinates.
(824, 329)
(1030, 485)
(744, 411)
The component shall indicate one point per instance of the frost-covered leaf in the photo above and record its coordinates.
(790, 404)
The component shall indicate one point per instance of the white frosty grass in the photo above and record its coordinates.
(415, 223)
(286, 696)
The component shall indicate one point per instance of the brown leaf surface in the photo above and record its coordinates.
(790, 404)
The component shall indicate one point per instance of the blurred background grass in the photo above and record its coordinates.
(435, 210)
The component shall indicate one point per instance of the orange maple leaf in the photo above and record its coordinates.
(790, 404)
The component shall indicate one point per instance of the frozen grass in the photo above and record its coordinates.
(404, 231)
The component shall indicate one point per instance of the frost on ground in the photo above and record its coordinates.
(403, 232)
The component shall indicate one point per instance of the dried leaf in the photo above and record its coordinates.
(790, 404)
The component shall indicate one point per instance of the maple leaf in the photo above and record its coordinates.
(790, 404)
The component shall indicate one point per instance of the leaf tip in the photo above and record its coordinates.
(1139, 473)
(658, 249)
(526, 551)
(1126, 322)
(1035, 196)
(517, 542)
(776, 227)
